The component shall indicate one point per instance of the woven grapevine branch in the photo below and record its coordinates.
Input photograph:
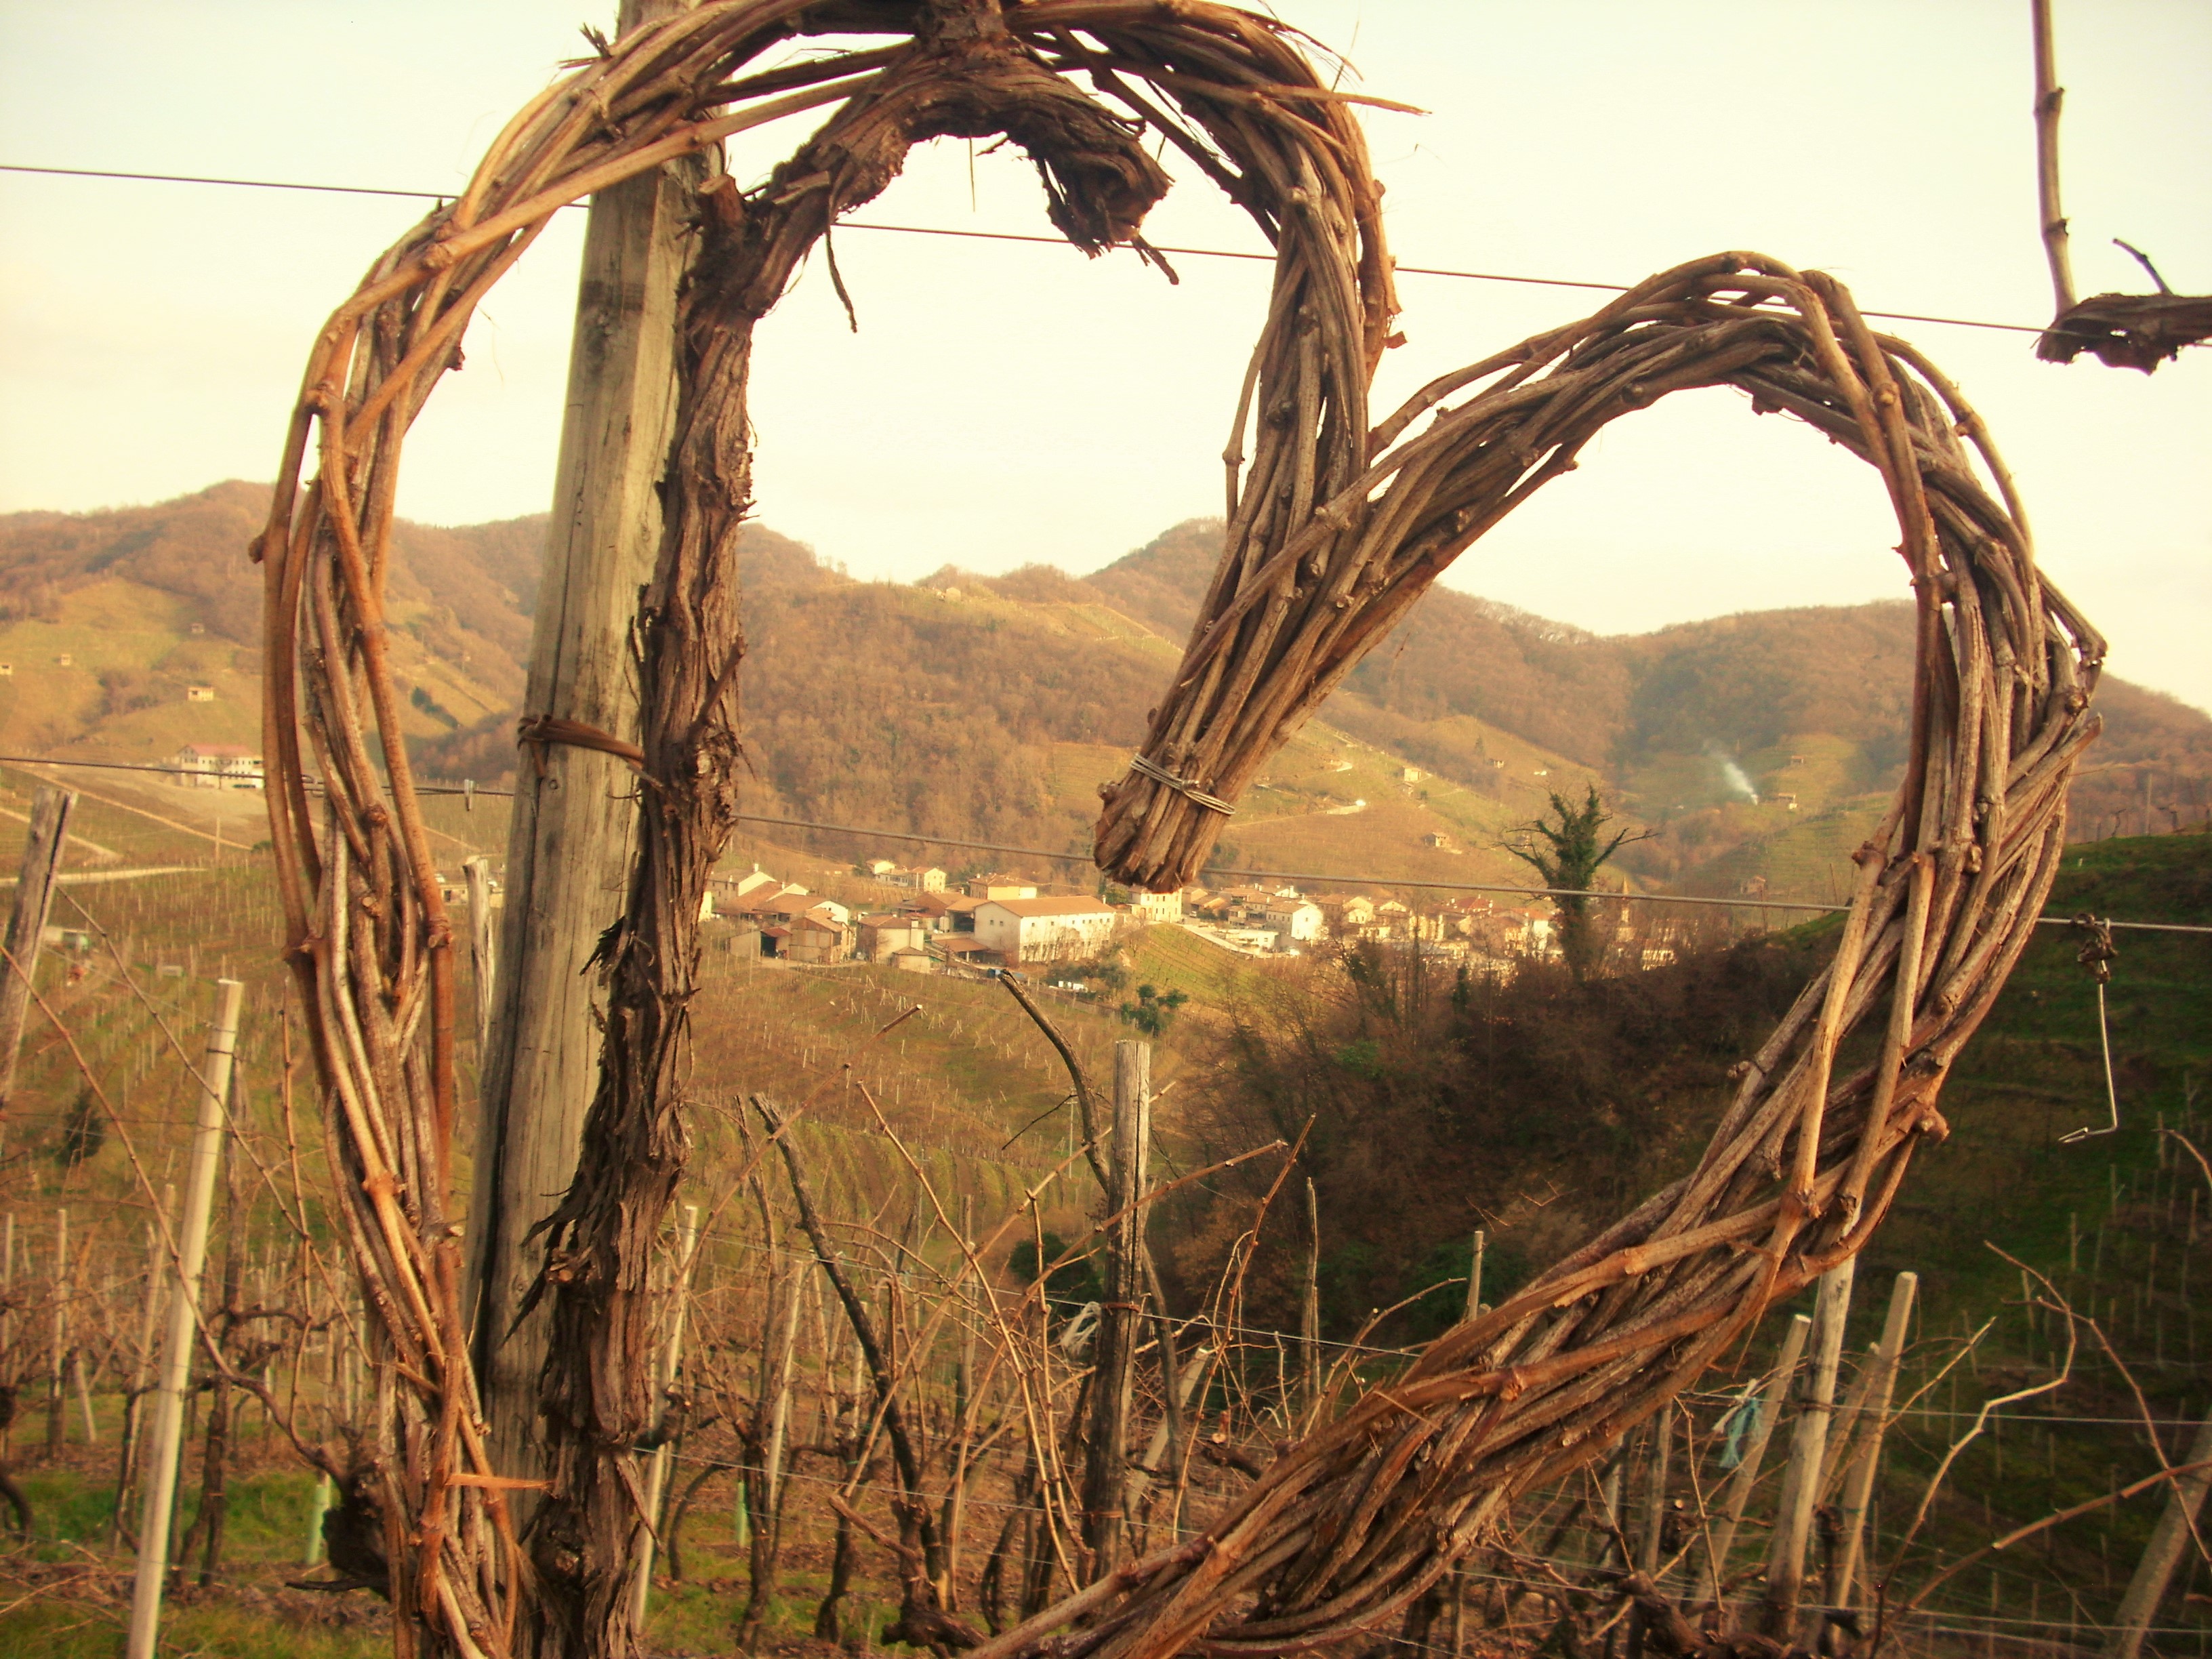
(1349, 1527)
(1335, 529)
(369, 940)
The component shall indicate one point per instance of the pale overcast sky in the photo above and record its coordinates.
(1006, 403)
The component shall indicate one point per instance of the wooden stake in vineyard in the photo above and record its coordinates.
(161, 1484)
(26, 927)
(572, 841)
(1859, 1476)
(1714, 1583)
(1800, 1480)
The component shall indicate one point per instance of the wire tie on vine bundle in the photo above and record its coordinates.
(2097, 954)
(1184, 787)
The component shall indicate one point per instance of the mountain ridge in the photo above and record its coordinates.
(989, 707)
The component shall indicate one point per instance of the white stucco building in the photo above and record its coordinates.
(1044, 929)
(217, 766)
(1156, 908)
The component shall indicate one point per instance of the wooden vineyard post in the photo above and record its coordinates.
(483, 946)
(656, 1483)
(1472, 1309)
(58, 1323)
(26, 927)
(963, 1412)
(1714, 1589)
(1801, 1481)
(573, 838)
(1115, 1350)
(127, 1456)
(1309, 1310)
(2169, 1538)
(57, 1369)
(1859, 1478)
(161, 1484)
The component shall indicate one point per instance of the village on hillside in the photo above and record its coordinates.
(993, 922)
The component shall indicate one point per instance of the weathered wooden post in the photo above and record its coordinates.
(1714, 1590)
(955, 1520)
(1859, 1478)
(2168, 1539)
(1114, 1352)
(134, 1401)
(1801, 1481)
(572, 841)
(483, 946)
(1310, 1308)
(58, 1369)
(161, 1484)
(26, 927)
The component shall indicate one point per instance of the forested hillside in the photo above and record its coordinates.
(1758, 747)
(1810, 703)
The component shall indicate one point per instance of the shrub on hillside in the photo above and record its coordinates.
(1440, 1101)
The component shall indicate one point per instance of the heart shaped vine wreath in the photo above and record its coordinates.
(1335, 530)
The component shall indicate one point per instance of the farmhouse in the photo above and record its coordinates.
(995, 886)
(1295, 921)
(966, 950)
(217, 766)
(814, 938)
(923, 878)
(883, 936)
(942, 912)
(795, 902)
(1044, 929)
(1346, 912)
(1155, 907)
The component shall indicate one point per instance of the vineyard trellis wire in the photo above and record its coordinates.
(1335, 529)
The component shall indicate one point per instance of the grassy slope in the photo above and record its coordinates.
(2108, 1220)
(2004, 1176)
(959, 1082)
